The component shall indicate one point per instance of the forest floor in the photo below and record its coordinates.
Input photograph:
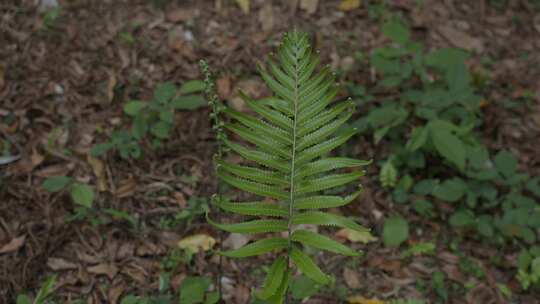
(65, 75)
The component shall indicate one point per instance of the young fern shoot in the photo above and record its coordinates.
(288, 166)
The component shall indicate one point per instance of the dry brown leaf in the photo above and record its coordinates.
(2, 76)
(13, 245)
(58, 264)
(236, 240)
(111, 84)
(266, 17)
(254, 88)
(36, 158)
(356, 236)
(180, 199)
(362, 300)
(241, 295)
(351, 278)
(180, 15)
(349, 5)
(99, 171)
(244, 5)
(197, 242)
(224, 87)
(481, 294)
(116, 291)
(310, 6)
(127, 188)
(55, 170)
(461, 39)
(109, 270)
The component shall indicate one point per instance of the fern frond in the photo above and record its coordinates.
(325, 219)
(255, 226)
(273, 278)
(285, 157)
(321, 242)
(308, 267)
(254, 208)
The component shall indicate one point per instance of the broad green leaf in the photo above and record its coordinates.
(449, 146)
(101, 149)
(462, 218)
(396, 31)
(82, 194)
(274, 278)
(188, 102)
(257, 248)
(425, 187)
(23, 299)
(451, 190)
(56, 183)
(161, 129)
(506, 163)
(395, 231)
(192, 290)
(321, 242)
(533, 186)
(164, 92)
(388, 174)
(308, 267)
(445, 57)
(303, 287)
(140, 126)
(192, 86)
(418, 139)
(132, 108)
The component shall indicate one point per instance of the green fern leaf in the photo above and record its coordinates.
(285, 157)
(255, 226)
(324, 201)
(253, 208)
(273, 279)
(327, 182)
(308, 267)
(321, 242)
(257, 248)
(326, 219)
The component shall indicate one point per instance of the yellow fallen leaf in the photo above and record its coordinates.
(197, 242)
(356, 236)
(244, 5)
(349, 5)
(362, 300)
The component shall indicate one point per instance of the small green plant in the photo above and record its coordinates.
(529, 268)
(197, 206)
(429, 117)
(152, 120)
(195, 290)
(287, 165)
(44, 292)
(81, 194)
(50, 17)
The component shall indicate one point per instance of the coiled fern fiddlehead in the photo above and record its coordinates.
(287, 162)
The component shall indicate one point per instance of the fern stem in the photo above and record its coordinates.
(213, 100)
(291, 185)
